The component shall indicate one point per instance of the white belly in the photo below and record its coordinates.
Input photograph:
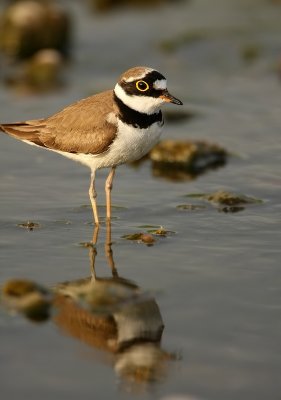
(130, 144)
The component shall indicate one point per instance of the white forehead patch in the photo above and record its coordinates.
(133, 78)
(160, 84)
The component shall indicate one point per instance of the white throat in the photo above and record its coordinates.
(143, 104)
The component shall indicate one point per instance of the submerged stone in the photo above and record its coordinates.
(227, 202)
(230, 199)
(146, 238)
(161, 232)
(190, 207)
(29, 225)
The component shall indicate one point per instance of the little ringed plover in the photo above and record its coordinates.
(104, 130)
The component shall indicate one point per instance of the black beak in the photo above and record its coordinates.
(166, 96)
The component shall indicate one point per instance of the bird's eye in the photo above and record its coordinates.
(142, 86)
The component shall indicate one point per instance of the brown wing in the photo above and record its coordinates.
(81, 127)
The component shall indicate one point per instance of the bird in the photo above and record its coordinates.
(106, 129)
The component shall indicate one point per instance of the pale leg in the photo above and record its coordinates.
(93, 196)
(108, 187)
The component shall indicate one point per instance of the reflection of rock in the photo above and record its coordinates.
(183, 160)
(40, 73)
(28, 26)
(28, 298)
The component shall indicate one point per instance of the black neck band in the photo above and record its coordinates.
(136, 118)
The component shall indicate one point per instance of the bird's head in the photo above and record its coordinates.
(144, 90)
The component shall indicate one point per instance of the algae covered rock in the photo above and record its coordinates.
(180, 160)
(230, 202)
(226, 201)
(141, 237)
(229, 199)
(29, 225)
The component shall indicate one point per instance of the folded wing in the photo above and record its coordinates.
(83, 127)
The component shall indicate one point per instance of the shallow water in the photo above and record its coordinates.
(217, 279)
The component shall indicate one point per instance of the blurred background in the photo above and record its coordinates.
(196, 225)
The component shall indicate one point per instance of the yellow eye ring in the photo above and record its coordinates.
(142, 86)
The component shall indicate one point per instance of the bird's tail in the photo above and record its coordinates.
(27, 131)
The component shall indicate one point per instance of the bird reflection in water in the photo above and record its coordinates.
(113, 314)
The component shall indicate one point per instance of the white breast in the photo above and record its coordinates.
(130, 144)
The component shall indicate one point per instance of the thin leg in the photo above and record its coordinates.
(93, 196)
(95, 234)
(108, 187)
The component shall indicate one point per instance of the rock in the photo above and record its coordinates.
(141, 237)
(30, 25)
(29, 225)
(190, 207)
(229, 199)
(227, 202)
(182, 160)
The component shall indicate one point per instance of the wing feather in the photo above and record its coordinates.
(82, 127)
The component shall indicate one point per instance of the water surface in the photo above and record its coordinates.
(216, 281)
